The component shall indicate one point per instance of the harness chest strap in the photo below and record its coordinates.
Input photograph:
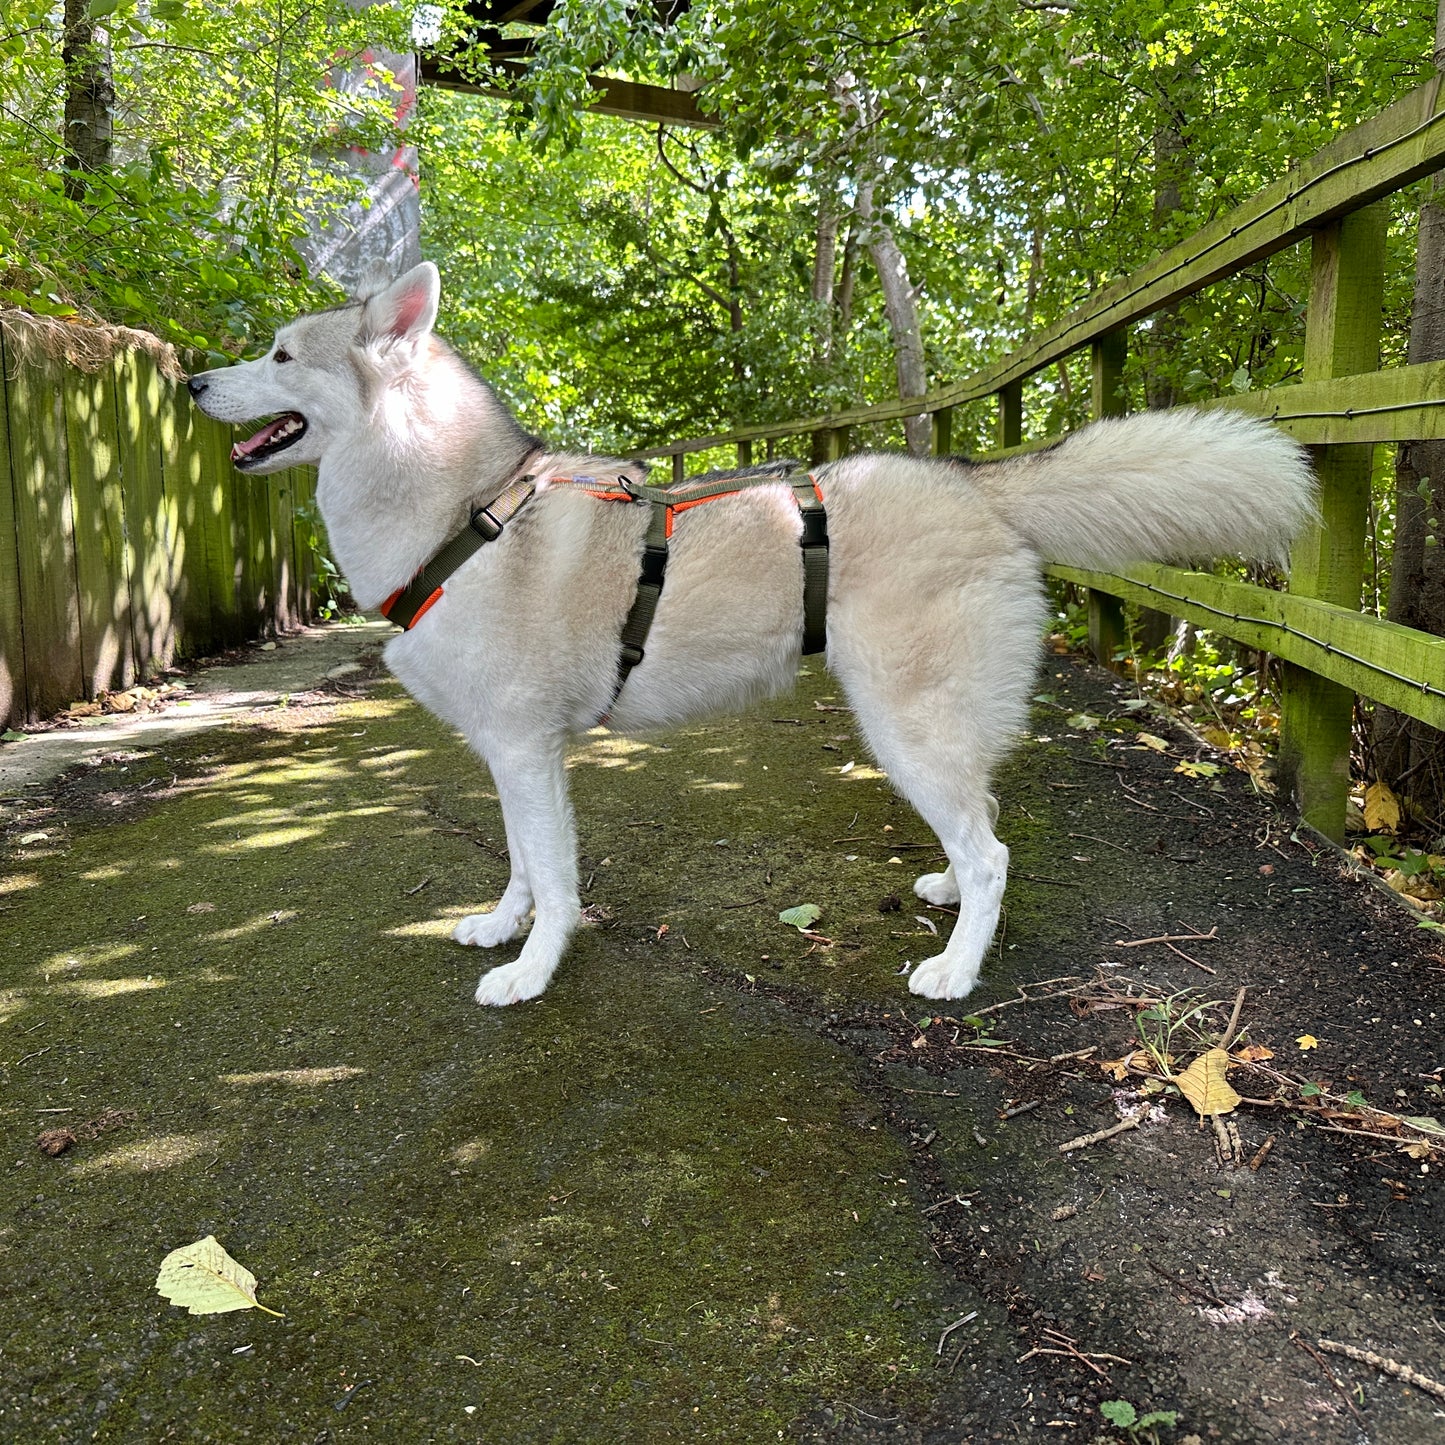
(407, 605)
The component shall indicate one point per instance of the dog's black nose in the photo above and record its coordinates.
(196, 385)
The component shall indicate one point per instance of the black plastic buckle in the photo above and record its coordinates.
(632, 654)
(815, 527)
(654, 566)
(485, 525)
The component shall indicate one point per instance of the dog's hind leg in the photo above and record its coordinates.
(504, 922)
(939, 678)
(532, 786)
(942, 888)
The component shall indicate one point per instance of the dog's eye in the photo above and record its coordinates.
(281, 355)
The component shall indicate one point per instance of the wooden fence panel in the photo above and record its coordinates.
(44, 537)
(183, 457)
(12, 634)
(107, 642)
(138, 399)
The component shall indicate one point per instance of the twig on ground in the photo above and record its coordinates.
(1023, 997)
(971, 1315)
(1228, 1038)
(1090, 838)
(1390, 1367)
(1329, 1374)
(1168, 938)
(1187, 959)
(1084, 1140)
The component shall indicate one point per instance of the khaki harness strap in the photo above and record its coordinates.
(406, 605)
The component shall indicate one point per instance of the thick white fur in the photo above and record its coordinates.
(935, 600)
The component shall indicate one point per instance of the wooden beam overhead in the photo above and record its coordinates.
(624, 98)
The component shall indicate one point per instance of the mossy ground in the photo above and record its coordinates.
(699, 1190)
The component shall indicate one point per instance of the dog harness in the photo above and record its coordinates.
(409, 604)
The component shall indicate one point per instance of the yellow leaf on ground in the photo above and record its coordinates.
(1119, 1068)
(1382, 809)
(1203, 1083)
(1150, 741)
(1307, 1041)
(207, 1281)
(1252, 1054)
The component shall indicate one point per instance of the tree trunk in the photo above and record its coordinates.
(900, 305)
(846, 283)
(1173, 165)
(825, 263)
(89, 98)
(1408, 755)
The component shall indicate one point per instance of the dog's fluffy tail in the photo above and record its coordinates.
(1159, 486)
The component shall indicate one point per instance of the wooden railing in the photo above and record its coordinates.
(127, 539)
(1341, 409)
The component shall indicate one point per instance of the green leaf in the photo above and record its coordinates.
(1119, 1412)
(1310, 1091)
(1159, 1417)
(207, 1281)
(805, 915)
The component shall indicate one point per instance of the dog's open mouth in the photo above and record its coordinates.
(274, 437)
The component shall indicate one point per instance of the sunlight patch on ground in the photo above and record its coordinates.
(254, 925)
(86, 957)
(861, 771)
(610, 750)
(18, 881)
(108, 987)
(12, 1002)
(106, 874)
(705, 787)
(270, 838)
(164, 1151)
(303, 1077)
(439, 927)
(392, 757)
(472, 1152)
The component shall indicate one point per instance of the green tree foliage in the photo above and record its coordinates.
(225, 119)
(1014, 148)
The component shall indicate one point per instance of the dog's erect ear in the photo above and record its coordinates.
(407, 309)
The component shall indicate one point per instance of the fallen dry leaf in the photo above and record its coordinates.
(1382, 809)
(1204, 1084)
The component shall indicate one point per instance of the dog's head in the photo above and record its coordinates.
(322, 374)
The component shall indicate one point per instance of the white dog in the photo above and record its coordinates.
(934, 605)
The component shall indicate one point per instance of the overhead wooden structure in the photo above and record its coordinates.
(510, 55)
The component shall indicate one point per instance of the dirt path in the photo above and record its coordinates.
(722, 1182)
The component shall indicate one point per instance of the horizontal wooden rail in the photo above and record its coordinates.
(1382, 154)
(1398, 666)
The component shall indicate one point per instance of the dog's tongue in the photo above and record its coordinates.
(268, 433)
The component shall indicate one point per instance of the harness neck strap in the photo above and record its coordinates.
(407, 604)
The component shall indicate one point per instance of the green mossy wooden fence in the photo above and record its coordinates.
(1343, 407)
(127, 540)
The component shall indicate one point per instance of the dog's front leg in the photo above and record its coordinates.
(532, 785)
(504, 922)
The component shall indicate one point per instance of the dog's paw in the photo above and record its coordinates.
(940, 978)
(511, 983)
(487, 930)
(937, 888)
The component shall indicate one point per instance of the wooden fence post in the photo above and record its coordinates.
(1342, 338)
(679, 467)
(12, 637)
(1107, 631)
(44, 532)
(745, 454)
(943, 431)
(1011, 415)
